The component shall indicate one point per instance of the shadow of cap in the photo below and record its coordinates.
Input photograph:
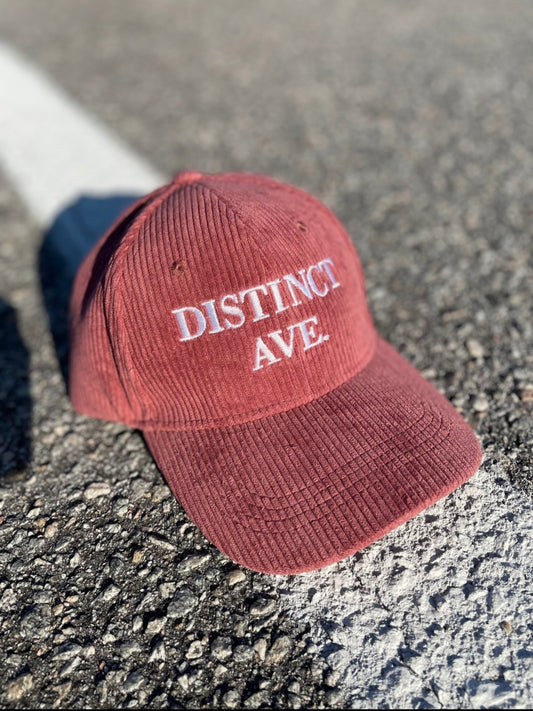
(74, 232)
(15, 400)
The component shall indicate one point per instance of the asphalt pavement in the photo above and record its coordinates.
(412, 121)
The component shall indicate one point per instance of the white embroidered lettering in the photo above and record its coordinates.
(186, 334)
(327, 264)
(280, 306)
(286, 348)
(307, 329)
(292, 282)
(254, 300)
(310, 338)
(262, 352)
(231, 311)
(212, 316)
(312, 283)
(315, 280)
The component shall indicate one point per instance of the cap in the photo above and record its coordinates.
(225, 316)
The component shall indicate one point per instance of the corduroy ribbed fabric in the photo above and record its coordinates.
(226, 317)
(199, 241)
(295, 491)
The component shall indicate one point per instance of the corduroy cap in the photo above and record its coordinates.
(225, 316)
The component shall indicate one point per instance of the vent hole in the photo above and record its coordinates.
(178, 267)
(302, 226)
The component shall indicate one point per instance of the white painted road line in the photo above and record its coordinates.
(53, 151)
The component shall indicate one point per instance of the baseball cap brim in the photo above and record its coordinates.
(305, 488)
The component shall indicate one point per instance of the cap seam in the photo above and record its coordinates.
(308, 198)
(236, 214)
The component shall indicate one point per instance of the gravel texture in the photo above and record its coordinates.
(413, 122)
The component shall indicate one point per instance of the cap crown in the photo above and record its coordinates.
(217, 299)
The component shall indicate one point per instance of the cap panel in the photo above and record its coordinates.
(95, 385)
(180, 251)
(298, 223)
(225, 320)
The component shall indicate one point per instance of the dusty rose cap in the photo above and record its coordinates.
(225, 316)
